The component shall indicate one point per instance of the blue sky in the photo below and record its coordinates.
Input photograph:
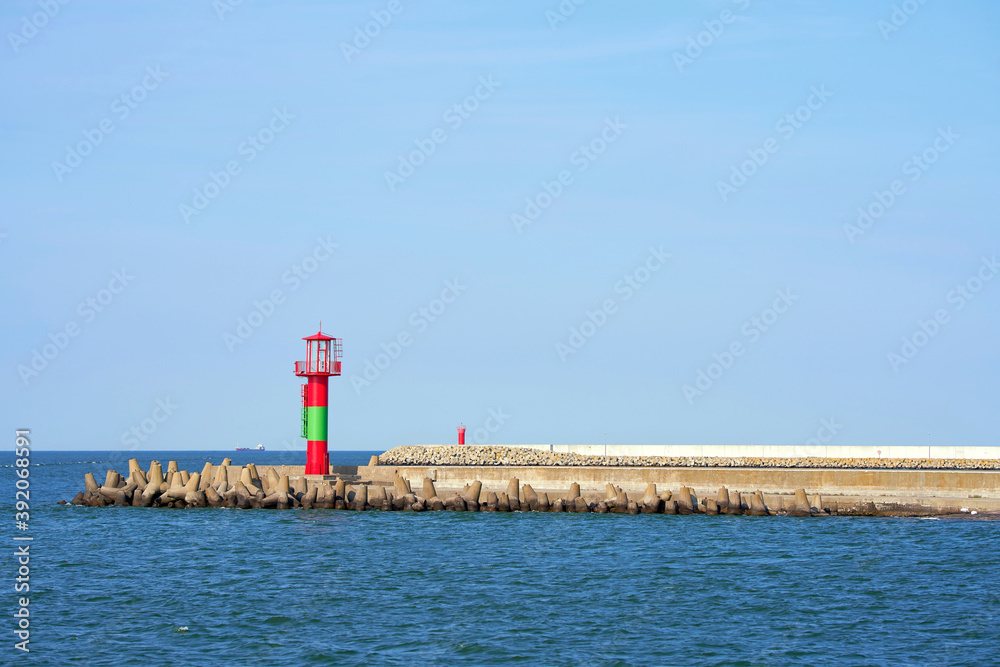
(739, 138)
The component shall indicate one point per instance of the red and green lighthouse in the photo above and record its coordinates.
(322, 360)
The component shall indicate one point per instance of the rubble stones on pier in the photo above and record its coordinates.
(502, 455)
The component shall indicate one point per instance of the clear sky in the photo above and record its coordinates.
(625, 222)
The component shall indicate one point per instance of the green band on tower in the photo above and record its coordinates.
(316, 423)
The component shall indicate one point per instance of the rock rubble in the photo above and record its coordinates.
(500, 455)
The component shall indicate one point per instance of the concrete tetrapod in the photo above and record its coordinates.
(513, 491)
(474, 492)
(735, 505)
(282, 492)
(722, 500)
(273, 499)
(543, 502)
(621, 502)
(152, 490)
(573, 494)
(193, 481)
(177, 490)
(610, 493)
(139, 477)
(322, 496)
(271, 477)
(684, 502)
(800, 506)
(206, 476)
(188, 493)
(245, 477)
(242, 495)
(124, 494)
(398, 501)
(817, 503)
(195, 499)
(530, 498)
(213, 497)
(492, 501)
(155, 477)
(757, 506)
(653, 505)
(400, 486)
(360, 498)
(650, 492)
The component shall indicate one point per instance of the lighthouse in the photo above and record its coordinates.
(322, 360)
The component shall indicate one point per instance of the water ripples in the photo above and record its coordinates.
(115, 585)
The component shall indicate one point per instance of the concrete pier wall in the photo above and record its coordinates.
(772, 451)
(851, 482)
(233, 471)
(874, 490)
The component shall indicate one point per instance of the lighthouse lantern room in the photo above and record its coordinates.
(322, 361)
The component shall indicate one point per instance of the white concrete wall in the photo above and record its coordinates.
(775, 451)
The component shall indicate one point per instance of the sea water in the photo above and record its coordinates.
(140, 586)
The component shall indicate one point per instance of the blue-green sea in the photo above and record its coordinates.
(137, 586)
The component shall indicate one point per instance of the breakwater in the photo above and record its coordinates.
(269, 490)
(244, 487)
(502, 455)
(224, 485)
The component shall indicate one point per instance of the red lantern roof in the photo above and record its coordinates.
(318, 336)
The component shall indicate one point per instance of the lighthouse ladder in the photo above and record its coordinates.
(305, 420)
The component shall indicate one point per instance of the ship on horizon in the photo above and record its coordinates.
(258, 448)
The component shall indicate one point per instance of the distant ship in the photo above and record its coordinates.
(258, 448)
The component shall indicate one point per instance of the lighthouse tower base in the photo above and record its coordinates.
(317, 458)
